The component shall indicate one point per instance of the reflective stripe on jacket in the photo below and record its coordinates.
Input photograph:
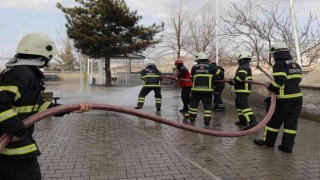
(151, 77)
(287, 76)
(202, 77)
(243, 73)
(20, 89)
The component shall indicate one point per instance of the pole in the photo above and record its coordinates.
(217, 32)
(295, 34)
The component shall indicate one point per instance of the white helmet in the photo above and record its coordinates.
(151, 63)
(279, 46)
(202, 56)
(37, 44)
(244, 55)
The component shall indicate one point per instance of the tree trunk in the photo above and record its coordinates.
(107, 71)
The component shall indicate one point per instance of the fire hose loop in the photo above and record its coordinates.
(5, 139)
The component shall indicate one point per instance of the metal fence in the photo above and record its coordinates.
(127, 79)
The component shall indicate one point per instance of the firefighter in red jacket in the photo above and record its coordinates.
(202, 87)
(20, 87)
(287, 76)
(183, 73)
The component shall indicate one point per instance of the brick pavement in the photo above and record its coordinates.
(102, 145)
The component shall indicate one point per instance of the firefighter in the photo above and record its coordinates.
(183, 73)
(218, 105)
(286, 84)
(152, 82)
(242, 90)
(20, 87)
(202, 87)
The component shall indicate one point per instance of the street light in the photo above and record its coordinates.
(295, 34)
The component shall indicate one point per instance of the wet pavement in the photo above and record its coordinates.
(109, 145)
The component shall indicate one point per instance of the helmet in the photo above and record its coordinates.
(179, 61)
(244, 55)
(279, 46)
(151, 64)
(201, 56)
(37, 44)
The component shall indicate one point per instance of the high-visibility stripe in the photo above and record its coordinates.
(287, 96)
(241, 90)
(192, 112)
(19, 151)
(289, 131)
(246, 110)
(239, 79)
(279, 74)
(218, 72)
(205, 90)
(193, 109)
(275, 84)
(294, 76)
(266, 129)
(146, 76)
(271, 129)
(26, 109)
(7, 114)
(44, 106)
(243, 71)
(13, 89)
(151, 85)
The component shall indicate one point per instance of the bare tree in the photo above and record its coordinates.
(176, 33)
(255, 26)
(202, 27)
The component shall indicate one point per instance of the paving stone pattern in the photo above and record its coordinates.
(101, 145)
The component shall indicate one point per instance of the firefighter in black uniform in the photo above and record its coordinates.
(287, 77)
(202, 88)
(152, 82)
(218, 88)
(243, 90)
(20, 87)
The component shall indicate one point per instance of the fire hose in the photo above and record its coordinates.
(5, 139)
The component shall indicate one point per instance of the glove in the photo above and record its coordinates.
(231, 82)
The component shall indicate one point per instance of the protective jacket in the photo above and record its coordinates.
(287, 76)
(202, 76)
(219, 85)
(184, 73)
(20, 88)
(151, 77)
(243, 73)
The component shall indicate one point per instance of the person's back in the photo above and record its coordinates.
(217, 104)
(152, 82)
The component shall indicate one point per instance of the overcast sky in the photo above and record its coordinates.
(19, 17)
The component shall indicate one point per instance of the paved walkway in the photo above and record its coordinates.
(108, 145)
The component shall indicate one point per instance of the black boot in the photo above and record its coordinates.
(158, 108)
(184, 109)
(207, 121)
(138, 107)
(252, 124)
(261, 142)
(284, 149)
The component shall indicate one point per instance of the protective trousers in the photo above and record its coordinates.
(20, 169)
(206, 99)
(245, 113)
(185, 97)
(287, 113)
(217, 99)
(145, 91)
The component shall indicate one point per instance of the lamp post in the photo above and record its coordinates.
(295, 34)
